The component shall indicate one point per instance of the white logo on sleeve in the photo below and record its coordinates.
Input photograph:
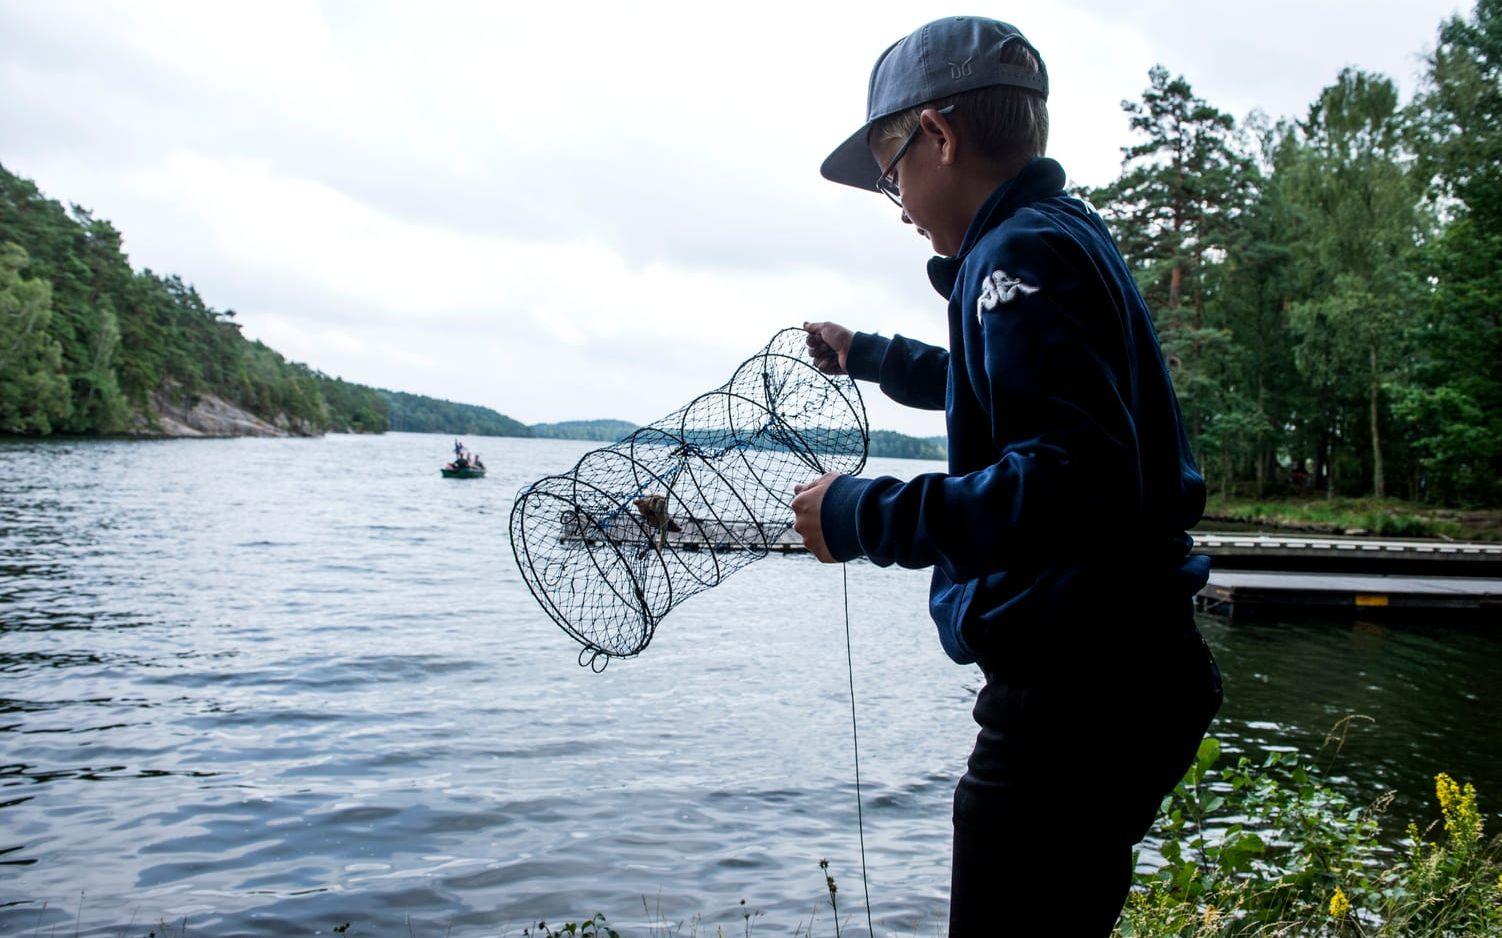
(1000, 287)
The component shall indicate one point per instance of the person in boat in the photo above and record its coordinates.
(477, 464)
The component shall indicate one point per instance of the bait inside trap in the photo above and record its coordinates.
(634, 528)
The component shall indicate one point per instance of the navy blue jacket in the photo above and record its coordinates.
(1071, 485)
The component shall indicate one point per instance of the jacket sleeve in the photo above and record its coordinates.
(910, 372)
(1068, 455)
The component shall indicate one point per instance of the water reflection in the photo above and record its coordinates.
(1429, 689)
(322, 696)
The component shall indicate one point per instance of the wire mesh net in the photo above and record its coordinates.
(609, 547)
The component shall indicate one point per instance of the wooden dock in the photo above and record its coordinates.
(1350, 577)
(1350, 595)
(1350, 555)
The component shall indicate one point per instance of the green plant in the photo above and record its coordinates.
(595, 927)
(833, 902)
(1271, 848)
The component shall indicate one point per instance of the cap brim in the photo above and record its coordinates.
(852, 164)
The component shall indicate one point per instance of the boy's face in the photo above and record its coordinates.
(930, 202)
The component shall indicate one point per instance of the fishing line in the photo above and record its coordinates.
(855, 738)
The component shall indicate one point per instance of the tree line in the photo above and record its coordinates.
(1328, 290)
(415, 413)
(86, 342)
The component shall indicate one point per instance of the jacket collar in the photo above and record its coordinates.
(1039, 179)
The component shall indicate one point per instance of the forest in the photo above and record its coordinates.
(415, 413)
(86, 342)
(1327, 290)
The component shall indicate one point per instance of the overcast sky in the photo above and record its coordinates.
(569, 211)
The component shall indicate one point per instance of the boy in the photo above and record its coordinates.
(1058, 537)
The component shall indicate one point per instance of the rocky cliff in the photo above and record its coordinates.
(175, 415)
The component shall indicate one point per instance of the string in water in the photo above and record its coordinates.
(855, 738)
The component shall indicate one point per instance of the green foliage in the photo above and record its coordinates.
(1271, 848)
(1453, 439)
(603, 431)
(1388, 517)
(352, 408)
(1176, 209)
(1327, 292)
(79, 258)
(1458, 135)
(33, 390)
(86, 342)
(595, 927)
(886, 443)
(1345, 171)
(417, 414)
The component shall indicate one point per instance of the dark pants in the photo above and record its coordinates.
(1068, 773)
(1011, 882)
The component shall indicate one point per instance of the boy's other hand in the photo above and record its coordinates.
(829, 344)
(807, 499)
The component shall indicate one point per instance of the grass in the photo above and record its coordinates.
(1387, 517)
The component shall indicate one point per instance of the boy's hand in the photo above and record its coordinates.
(808, 498)
(829, 343)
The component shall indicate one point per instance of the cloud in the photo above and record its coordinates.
(563, 213)
(341, 282)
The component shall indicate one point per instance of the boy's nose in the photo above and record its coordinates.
(905, 219)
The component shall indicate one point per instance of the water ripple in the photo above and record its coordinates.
(320, 697)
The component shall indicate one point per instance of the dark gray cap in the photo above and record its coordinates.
(945, 57)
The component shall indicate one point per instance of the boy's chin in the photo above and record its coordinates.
(940, 246)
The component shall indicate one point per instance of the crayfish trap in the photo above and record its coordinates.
(611, 546)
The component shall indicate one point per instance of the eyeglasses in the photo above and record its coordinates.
(886, 182)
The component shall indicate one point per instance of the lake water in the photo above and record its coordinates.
(274, 686)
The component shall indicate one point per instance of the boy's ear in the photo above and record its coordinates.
(945, 132)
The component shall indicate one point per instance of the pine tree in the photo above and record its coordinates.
(1174, 212)
(33, 390)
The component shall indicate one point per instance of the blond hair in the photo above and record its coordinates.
(1008, 124)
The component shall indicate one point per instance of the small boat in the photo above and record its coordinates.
(466, 465)
(470, 472)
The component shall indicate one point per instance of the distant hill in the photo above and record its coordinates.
(884, 443)
(414, 413)
(892, 445)
(603, 431)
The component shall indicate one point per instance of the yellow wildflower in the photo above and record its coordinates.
(1446, 791)
(1458, 804)
(1340, 906)
(1210, 918)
